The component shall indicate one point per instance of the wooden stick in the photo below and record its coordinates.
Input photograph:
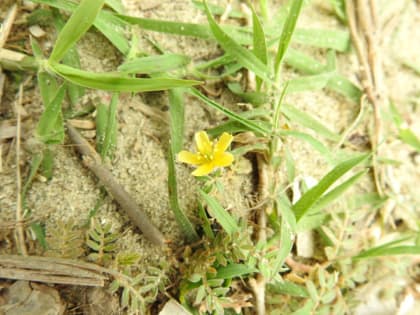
(93, 161)
(51, 270)
(19, 215)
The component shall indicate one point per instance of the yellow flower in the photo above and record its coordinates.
(210, 155)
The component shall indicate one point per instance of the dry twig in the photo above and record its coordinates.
(364, 31)
(92, 160)
(19, 215)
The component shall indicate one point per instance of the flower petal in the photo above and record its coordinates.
(223, 143)
(189, 158)
(223, 159)
(204, 169)
(204, 146)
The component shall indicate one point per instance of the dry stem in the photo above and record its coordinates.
(127, 203)
(363, 25)
(19, 215)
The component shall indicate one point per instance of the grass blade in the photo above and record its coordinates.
(390, 249)
(154, 64)
(242, 55)
(309, 83)
(259, 43)
(184, 223)
(234, 270)
(71, 58)
(316, 144)
(110, 134)
(246, 122)
(323, 38)
(176, 110)
(304, 119)
(227, 222)
(50, 127)
(286, 34)
(301, 207)
(108, 24)
(78, 24)
(116, 82)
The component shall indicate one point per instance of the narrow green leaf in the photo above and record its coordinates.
(116, 5)
(234, 270)
(407, 136)
(246, 122)
(309, 83)
(107, 23)
(286, 244)
(35, 164)
(116, 82)
(255, 98)
(337, 191)
(389, 251)
(47, 163)
(323, 38)
(110, 135)
(47, 87)
(259, 44)
(227, 222)
(306, 120)
(176, 111)
(50, 127)
(170, 27)
(314, 194)
(101, 122)
(78, 24)
(154, 64)
(316, 144)
(39, 231)
(71, 58)
(289, 288)
(184, 223)
(286, 34)
(242, 55)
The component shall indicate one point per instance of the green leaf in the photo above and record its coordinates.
(116, 82)
(242, 55)
(71, 58)
(304, 119)
(39, 231)
(317, 145)
(309, 83)
(314, 194)
(110, 135)
(255, 98)
(223, 217)
(107, 23)
(324, 38)
(101, 122)
(391, 251)
(286, 34)
(154, 64)
(35, 164)
(176, 111)
(289, 288)
(184, 223)
(246, 122)
(50, 127)
(234, 270)
(259, 44)
(78, 24)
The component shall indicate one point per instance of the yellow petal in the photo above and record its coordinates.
(223, 159)
(204, 169)
(204, 146)
(189, 158)
(223, 143)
